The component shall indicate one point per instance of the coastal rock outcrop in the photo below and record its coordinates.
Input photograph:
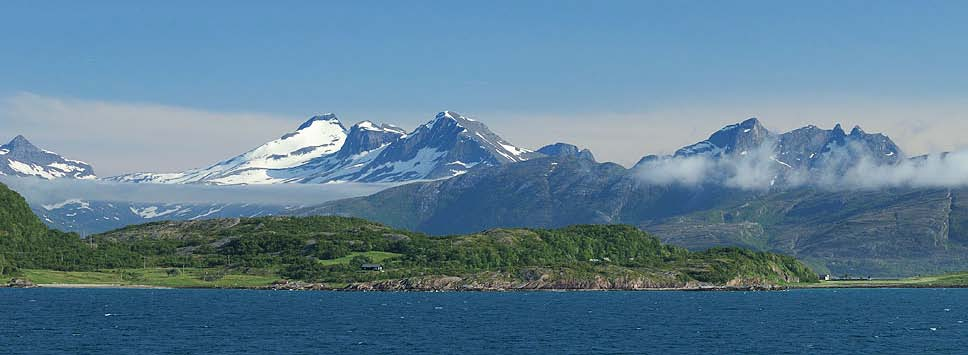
(20, 283)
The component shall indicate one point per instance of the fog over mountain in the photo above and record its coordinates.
(759, 171)
(806, 157)
(53, 191)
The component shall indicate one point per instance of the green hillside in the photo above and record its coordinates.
(250, 251)
(331, 249)
(25, 242)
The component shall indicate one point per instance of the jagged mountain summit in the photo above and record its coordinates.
(447, 146)
(322, 150)
(22, 158)
(800, 156)
(733, 139)
(808, 147)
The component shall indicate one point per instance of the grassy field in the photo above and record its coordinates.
(959, 279)
(187, 278)
(375, 256)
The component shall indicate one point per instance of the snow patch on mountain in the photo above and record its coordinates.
(22, 158)
(81, 204)
(153, 211)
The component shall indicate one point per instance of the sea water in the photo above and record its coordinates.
(135, 321)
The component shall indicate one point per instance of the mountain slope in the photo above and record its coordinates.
(16, 218)
(318, 136)
(26, 243)
(21, 158)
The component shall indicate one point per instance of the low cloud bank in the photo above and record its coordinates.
(122, 137)
(47, 192)
(842, 169)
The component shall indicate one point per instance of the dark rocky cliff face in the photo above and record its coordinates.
(366, 136)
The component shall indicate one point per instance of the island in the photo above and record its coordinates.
(340, 253)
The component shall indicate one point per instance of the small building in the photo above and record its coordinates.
(825, 277)
(371, 267)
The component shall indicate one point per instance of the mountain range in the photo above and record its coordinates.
(742, 186)
(322, 150)
(889, 231)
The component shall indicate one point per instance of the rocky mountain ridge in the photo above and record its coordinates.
(19, 157)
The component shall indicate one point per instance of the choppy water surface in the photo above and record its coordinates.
(131, 321)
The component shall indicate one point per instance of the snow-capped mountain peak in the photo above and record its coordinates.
(804, 149)
(370, 126)
(740, 137)
(318, 136)
(21, 143)
(451, 115)
(22, 158)
(367, 136)
(322, 150)
(326, 117)
(448, 145)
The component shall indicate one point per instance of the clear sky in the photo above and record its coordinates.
(171, 85)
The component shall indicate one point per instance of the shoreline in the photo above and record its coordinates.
(58, 285)
(666, 289)
(318, 287)
(828, 287)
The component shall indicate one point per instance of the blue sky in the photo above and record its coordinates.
(517, 65)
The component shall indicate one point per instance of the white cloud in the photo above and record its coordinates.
(755, 170)
(839, 171)
(53, 191)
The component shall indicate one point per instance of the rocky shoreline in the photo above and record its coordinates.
(453, 284)
(20, 283)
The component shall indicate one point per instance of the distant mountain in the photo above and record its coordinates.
(319, 136)
(323, 151)
(808, 148)
(887, 232)
(22, 158)
(566, 150)
(90, 217)
(735, 139)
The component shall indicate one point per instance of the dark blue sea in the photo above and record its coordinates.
(129, 321)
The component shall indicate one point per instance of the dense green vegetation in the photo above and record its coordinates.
(332, 249)
(25, 242)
